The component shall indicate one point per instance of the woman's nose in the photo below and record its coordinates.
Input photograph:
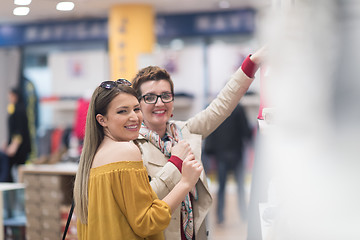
(133, 116)
(159, 102)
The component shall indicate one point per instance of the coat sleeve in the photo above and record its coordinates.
(221, 107)
(165, 180)
(145, 213)
(164, 174)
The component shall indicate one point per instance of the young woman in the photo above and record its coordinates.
(113, 197)
(160, 139)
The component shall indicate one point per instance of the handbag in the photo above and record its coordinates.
(68, 220)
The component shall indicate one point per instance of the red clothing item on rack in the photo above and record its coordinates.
(80, 118)
(56, 137)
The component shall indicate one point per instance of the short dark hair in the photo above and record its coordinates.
(151, 73)
(15, 91)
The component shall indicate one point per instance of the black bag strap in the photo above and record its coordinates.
(68, 220)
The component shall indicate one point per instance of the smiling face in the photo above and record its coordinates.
(156, 115)
(123, 118)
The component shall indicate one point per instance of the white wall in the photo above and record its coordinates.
(73, 73)
(224, 59)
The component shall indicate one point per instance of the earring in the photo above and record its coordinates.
(171, 115)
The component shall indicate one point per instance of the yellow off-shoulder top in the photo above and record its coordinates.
(122, 205)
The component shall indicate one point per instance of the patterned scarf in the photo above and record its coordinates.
(172, 136)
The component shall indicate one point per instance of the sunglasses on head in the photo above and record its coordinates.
(112, 84)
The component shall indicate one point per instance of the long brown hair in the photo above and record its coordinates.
(94, 134)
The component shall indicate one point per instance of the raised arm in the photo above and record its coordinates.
(221, 107)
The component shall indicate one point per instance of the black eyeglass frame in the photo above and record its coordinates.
(158, 96)
(111, 84)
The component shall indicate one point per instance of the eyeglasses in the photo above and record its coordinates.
(111, 84)
(151, 98)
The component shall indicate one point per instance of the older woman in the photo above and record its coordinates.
(165, 143)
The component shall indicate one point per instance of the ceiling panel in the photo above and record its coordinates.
(42, 10)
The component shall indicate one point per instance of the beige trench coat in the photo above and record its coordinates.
(164, 175)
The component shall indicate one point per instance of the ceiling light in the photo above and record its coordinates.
(65, 6)
(22, 2)
(21, 11)
(224, 4)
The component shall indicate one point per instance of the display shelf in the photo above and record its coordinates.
(11, 206)
(50, 169)
(47, 189)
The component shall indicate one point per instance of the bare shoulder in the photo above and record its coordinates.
(126, 151)
(117, 152)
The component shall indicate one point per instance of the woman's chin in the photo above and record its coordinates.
(159, 120)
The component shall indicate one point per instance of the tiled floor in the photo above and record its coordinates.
(233, 228)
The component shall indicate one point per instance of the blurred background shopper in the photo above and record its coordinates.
(227, 145)
(18, 145)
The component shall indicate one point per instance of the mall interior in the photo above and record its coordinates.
(298, 170)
